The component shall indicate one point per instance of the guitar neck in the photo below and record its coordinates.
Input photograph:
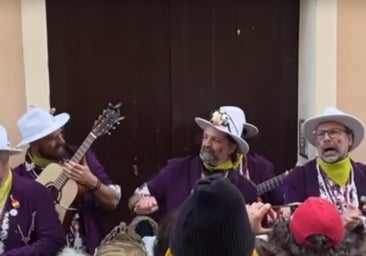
(79, 154)
(270, 184)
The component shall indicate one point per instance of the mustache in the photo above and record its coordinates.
(207, 150)
(207, 155)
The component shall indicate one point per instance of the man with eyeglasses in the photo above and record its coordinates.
(223, 151)
(332, 175)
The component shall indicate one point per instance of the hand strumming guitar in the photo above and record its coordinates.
(80, 173)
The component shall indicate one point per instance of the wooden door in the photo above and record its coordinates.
(167, 62)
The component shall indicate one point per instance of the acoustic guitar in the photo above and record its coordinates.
(64, 190)
(271, 183)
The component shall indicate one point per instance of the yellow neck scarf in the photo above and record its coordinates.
(338, 172)
(5, 188)
(227, 165)
(255, 253)
(169, 252)
(38, 160)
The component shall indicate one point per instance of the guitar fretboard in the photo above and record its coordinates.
(270, 184)
(79, 154)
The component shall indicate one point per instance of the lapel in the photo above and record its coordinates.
(18, 216)
(195, 170)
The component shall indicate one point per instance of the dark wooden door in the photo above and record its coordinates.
(167, 62)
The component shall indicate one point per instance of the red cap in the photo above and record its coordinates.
(317, 216)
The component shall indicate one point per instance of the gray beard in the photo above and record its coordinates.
(208, 158)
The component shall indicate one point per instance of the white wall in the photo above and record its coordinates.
(34, 31)
(351, 54)
(12, 96)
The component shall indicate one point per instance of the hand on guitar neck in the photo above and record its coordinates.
(80, 173)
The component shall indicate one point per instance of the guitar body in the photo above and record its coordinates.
(64, 196)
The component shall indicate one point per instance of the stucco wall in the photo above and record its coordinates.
(12, 96)
(351, 54)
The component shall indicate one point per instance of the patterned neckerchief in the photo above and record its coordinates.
(340, 196)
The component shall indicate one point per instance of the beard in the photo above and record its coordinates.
(208, 157)
(332, 154)
(332, 159)
(57, 153)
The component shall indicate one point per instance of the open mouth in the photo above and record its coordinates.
(329, 151)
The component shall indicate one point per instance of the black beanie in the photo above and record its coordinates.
(213, 221)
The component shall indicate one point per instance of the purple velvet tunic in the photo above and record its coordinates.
(174, 183)
(34, 218)
(302, 182)
(94, 220)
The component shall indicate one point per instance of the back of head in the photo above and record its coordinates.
(282, 242)
(120, 243)
(315, 228)
(317, 216)
(166, 225)
(213, 221)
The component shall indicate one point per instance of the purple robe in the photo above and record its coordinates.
(94, 222)
(36, 206)
(174, 183)
(302, 182)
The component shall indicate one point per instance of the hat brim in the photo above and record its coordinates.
(59, 121)
(243, 147)
(10, 151)
(251, 130)
(349, 121)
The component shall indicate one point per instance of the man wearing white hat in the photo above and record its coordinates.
(43, 132)
(222, 151)
(332, 175)
(29, 223)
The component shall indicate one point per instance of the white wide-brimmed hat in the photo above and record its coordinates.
(250, 130)
(37, 123)
(230, 120)
(334, 114)
(5, 143)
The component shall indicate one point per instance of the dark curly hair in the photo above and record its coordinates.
(165, 228)
(282, 242)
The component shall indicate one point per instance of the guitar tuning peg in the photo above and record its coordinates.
(108, 133)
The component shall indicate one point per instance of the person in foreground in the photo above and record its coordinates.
(29, 224)
(315, 229)
(212, 221)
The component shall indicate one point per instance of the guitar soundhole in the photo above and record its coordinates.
(55, 193)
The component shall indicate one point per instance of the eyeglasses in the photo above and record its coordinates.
(332, 133)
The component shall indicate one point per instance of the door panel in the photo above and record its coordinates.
(167, 62)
